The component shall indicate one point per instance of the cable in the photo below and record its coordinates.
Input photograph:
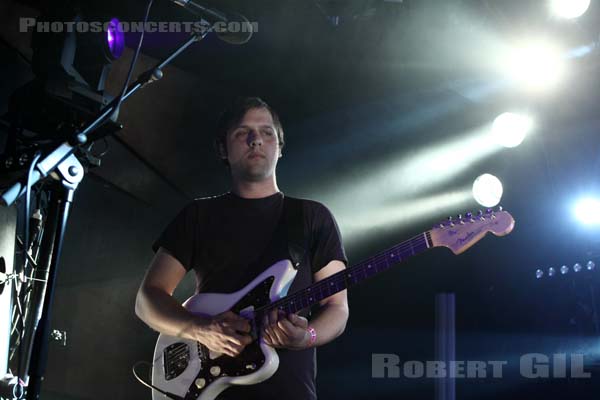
(133, 61)
(129, 73)
(27, 201)
(170, 395)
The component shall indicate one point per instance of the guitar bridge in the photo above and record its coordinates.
(176, 359)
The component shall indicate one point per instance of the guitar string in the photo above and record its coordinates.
(359, 268)
(380, 260)
(322, 289)
(340, 277)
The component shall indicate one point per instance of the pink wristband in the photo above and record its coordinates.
(313, 335)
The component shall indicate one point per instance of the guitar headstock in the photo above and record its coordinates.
(463, 232)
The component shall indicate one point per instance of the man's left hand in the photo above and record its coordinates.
(288, 332)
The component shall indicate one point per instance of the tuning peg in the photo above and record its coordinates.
(469, 215)
(490, 213)
(460, 219)
(479, 213)
(500, 208)
(450, 222)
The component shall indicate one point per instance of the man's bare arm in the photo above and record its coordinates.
(330, 321)
(156, 306)
(291, 331)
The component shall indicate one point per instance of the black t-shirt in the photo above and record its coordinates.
(224, 239)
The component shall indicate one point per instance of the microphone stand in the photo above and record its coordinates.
(65, 167)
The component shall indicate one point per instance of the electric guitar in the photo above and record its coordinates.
(186, 369)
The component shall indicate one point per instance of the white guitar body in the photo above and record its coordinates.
(188, 370)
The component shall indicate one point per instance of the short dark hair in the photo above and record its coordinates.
(233, 114)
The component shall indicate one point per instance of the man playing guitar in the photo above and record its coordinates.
(229, 239)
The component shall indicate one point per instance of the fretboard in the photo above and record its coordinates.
(352, 275)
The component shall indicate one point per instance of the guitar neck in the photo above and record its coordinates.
(352, 275)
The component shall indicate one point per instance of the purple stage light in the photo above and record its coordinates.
(115, 39)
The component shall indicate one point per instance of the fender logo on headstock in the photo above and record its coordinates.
(466, 238)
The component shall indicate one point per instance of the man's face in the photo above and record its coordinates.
(253, 146)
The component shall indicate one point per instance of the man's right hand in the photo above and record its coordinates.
(225, 333)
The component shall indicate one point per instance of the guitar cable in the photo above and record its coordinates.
(168, 394)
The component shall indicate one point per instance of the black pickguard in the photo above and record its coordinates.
(250, 360)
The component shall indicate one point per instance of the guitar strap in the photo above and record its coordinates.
(293, 213)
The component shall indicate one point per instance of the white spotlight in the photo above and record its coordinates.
(539, 274)
(569, 9)
(590, 265)
(509, 129)
(536, 65)
(487, 190)
(587, 211)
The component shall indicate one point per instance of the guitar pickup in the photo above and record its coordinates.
(176, 359)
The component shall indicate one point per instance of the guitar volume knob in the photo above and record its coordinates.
(215, 370)
(200, 383)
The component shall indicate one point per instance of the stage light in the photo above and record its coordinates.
(115, 39)
(487, 190)
(509, 129)
(71, 67)
(569, 9)
(564, 270)
(536, 65)
(539, 274)
(587, 211)
(590, 265)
